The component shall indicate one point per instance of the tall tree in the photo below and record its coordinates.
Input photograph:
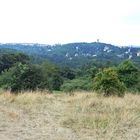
(128, 73)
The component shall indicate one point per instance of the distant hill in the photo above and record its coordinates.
(77, 54)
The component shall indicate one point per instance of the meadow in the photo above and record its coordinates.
(80, 116)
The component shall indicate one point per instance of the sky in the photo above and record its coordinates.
(65, 21)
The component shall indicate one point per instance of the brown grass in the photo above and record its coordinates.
(83, 116)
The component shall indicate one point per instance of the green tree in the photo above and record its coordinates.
(21, 77)
(8, 60)
(67, 73)
(52, 78)
(108, 83)
(128, 73)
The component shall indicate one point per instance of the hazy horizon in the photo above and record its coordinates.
(44, 44)
(115, 22)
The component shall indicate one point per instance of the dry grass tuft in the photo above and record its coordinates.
(81, 116)
(104, 118)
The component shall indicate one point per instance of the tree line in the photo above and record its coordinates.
(18, 73)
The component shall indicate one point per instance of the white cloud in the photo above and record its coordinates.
(62, 21)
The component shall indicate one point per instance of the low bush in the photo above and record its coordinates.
(108, 83)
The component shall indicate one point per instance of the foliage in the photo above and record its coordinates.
(77, 84)
(128, 73)
(7, 60)
(20, 77)
(76, 55)
(67, 73)
(84, 71)
(52, 78)
(107, 82)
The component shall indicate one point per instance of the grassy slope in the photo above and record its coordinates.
(62, 117)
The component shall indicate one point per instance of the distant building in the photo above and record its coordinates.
(98, 40)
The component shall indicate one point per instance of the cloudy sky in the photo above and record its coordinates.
(65, 21)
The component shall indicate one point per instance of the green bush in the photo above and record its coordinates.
(21, 77)
(128, 73)
(52, 78)
(108, 83)
(77, 84)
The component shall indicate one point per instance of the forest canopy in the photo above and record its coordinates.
(18, 73)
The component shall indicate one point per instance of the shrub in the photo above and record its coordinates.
(128, 73)
(21, 77)
(77, 84)
(108, 83)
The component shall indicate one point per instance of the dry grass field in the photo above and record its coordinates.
(83, 116)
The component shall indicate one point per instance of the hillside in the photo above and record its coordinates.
(77, 54)
(42, 116)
